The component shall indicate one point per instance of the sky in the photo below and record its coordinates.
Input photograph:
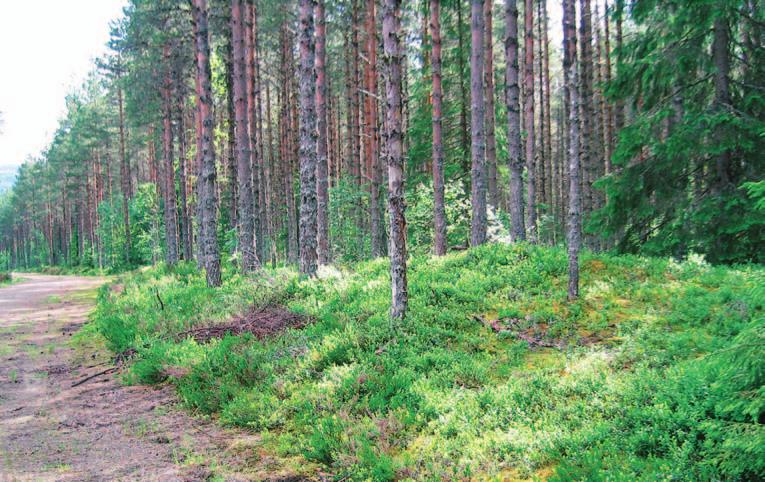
(47, 48)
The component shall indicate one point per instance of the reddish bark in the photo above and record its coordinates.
(207, 202)
(245, 245)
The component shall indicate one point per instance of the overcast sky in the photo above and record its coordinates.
(47, 47)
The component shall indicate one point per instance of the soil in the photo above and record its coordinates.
(56, 426)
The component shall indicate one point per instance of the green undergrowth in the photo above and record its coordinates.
(655, 373)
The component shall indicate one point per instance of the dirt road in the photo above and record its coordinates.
(99, 430)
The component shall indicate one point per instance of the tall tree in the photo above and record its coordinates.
(477, 118)
(528, 111)
(574, 232)
(512, 99)
(186, 229)
(207, 192)
(245, 217)
(373, 168)
(253, 95)
(393, 134)
(439, 211)
(587, 114)
(491, 142)
(322, 192)
(171, 207)
(308, 255)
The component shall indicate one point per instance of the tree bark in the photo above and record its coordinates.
(547, 125)
(574, 232)
(254, 159)
(528, 108)
(186, 232)
(322, 191)
(491, 141)
(124, 177)
(477, 118)
(171, 207)
(308, 204)
(374, 171)
(540, 161)
(512, 99)
(609, 139)
(393, 132)
(721, 59)
(245, 216)
(464, 138)
(206, 195)
(439, 214)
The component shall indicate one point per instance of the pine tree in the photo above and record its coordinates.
(393, 134)
(308, 153)
(477, 119)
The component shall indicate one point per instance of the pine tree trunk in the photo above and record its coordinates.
(206, 195)
(540, 161)
(393, 133)
(547, 125)
(356, 105)
(322, 191)
(254, 158)
(245, 219)
(609, 140)
(308, 204)
(491, 142)
(512, 99)
(721, 59)
(269, 177)
(528, 110)
(124, 178)
(477, 118)
(373, 167)
(574, 232)
(464, 138)
(229, 167)
(439, 214)
(186, 232)
(171, 207)
(585, 67)
(619, 107)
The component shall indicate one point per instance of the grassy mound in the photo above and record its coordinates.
(657, 372)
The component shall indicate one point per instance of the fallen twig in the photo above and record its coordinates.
(102, 372)
(161, 304)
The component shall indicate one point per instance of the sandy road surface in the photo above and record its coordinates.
(99, 430)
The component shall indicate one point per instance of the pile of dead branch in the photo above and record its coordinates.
(262, 322)
(535, 336)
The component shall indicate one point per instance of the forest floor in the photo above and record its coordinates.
(51, 428)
